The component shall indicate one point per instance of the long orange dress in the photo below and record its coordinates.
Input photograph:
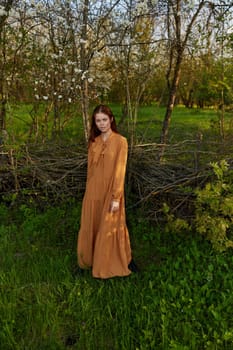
(103, 239)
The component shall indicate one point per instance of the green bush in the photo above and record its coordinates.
(214, 207)
(213, 210)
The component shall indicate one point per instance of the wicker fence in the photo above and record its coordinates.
(60, 171)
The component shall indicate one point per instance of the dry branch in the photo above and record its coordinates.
(57, 171)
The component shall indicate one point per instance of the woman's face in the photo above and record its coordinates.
(103, 122)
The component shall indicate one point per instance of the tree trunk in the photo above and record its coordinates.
(84, 62)
(85, 108)
(176, 50)
(56, 111)
(171, 101)
(3, 114)
(3, 98)
(2, 80)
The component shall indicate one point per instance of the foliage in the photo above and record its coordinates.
(214, 207)
(181, 299)
(66, 53)
(173, 223)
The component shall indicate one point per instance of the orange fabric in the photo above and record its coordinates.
(103, 239)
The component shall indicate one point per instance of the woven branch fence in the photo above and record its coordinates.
(58, 172)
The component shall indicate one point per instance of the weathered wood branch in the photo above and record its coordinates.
(60, 172)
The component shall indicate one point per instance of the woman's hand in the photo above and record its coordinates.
(114, 206)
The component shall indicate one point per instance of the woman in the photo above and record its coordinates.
(103, 240)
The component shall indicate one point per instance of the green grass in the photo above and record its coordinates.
(185, 123)
(182, 298)
(19, 124)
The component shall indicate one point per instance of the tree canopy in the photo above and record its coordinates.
(58, 52)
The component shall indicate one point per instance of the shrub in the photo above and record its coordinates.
(214, 207)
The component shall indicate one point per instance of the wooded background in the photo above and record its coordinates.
(57, 54)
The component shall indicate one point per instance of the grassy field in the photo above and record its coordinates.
(186, 123)
(181, 299)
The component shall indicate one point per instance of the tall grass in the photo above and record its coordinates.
(185, 123)
(181, 299)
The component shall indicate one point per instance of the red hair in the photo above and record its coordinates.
(94, 132)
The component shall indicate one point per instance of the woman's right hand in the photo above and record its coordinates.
(114, 207)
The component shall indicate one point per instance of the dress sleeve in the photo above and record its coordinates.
(120, 169)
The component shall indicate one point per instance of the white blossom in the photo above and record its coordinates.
(84, 75)
(141, 8)
(191, 4)
(77, 70)
(45, 98)
(2, 11)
